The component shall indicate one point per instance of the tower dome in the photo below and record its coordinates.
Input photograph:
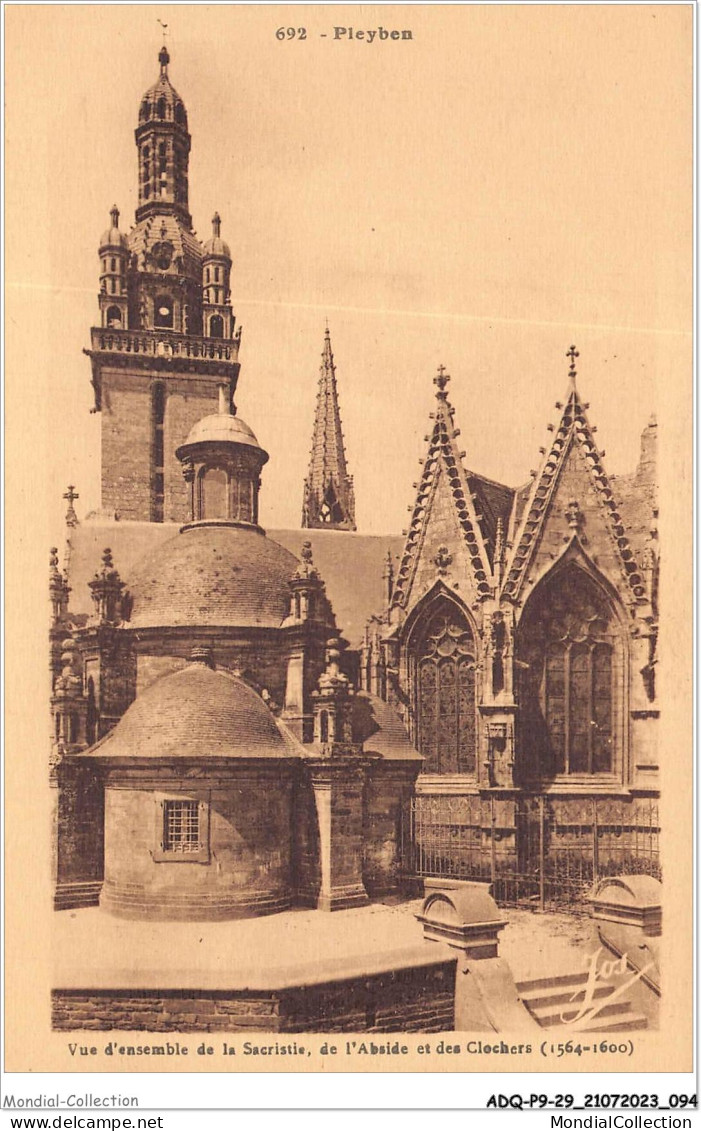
(216, 246)
(161, 102)
(113, 237)
(222, 461)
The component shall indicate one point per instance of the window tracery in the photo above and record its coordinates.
(571, 679)
(444, 663)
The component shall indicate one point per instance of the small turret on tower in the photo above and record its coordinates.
(329, 499)
(217, 316)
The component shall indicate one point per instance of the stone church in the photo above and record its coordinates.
(244, 721)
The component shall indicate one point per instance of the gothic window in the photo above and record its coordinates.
(330, 510)
(444, 691)
(570, 669)
(216, 327)
(180, 114)
(161, 108)
(113, 317)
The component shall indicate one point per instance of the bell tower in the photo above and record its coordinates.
(167, 337)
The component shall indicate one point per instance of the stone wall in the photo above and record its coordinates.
(186, 403)
(417, 999)
(78, 834)
(127, 436)
(388, 794)
(246, 868)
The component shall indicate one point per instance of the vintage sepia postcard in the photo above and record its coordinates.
(349, 404)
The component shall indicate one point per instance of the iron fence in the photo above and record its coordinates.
(535, 850)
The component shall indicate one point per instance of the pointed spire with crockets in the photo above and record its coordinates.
(329, 500)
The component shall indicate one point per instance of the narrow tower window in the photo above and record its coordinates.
(158, 402)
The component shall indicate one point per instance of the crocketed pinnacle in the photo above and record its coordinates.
(329, 501)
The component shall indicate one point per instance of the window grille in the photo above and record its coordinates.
(181, 827)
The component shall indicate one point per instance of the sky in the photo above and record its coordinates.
(508, 181)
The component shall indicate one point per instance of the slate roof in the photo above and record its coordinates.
(213, 576)
(377, 725)
(350, 564)
(196, 713)
(164, 226)
(493, 501)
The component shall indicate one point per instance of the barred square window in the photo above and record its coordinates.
(182, 830)
(181, 826)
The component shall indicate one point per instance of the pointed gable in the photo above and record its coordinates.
(444, 539)
(571, 496)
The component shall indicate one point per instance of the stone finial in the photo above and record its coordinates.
(71, 495)
(216, 225)
(114, 216)
(440, 381)
(332, 723)
(572, 353)
(107, 588)
(306, 570)
(58, 587)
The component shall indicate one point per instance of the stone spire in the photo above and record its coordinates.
(329, 500)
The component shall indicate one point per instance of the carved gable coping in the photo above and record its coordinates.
(573, 431)
(443, 458)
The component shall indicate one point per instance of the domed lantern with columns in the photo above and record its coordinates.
(222, 461)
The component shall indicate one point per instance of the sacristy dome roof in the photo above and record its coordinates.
(196, 713)
(211, 576)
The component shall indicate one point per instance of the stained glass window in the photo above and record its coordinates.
(569, 661)
(445, 692)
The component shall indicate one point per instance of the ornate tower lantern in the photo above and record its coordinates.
(222, 461)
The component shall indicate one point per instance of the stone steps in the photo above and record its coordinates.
(547, 999)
